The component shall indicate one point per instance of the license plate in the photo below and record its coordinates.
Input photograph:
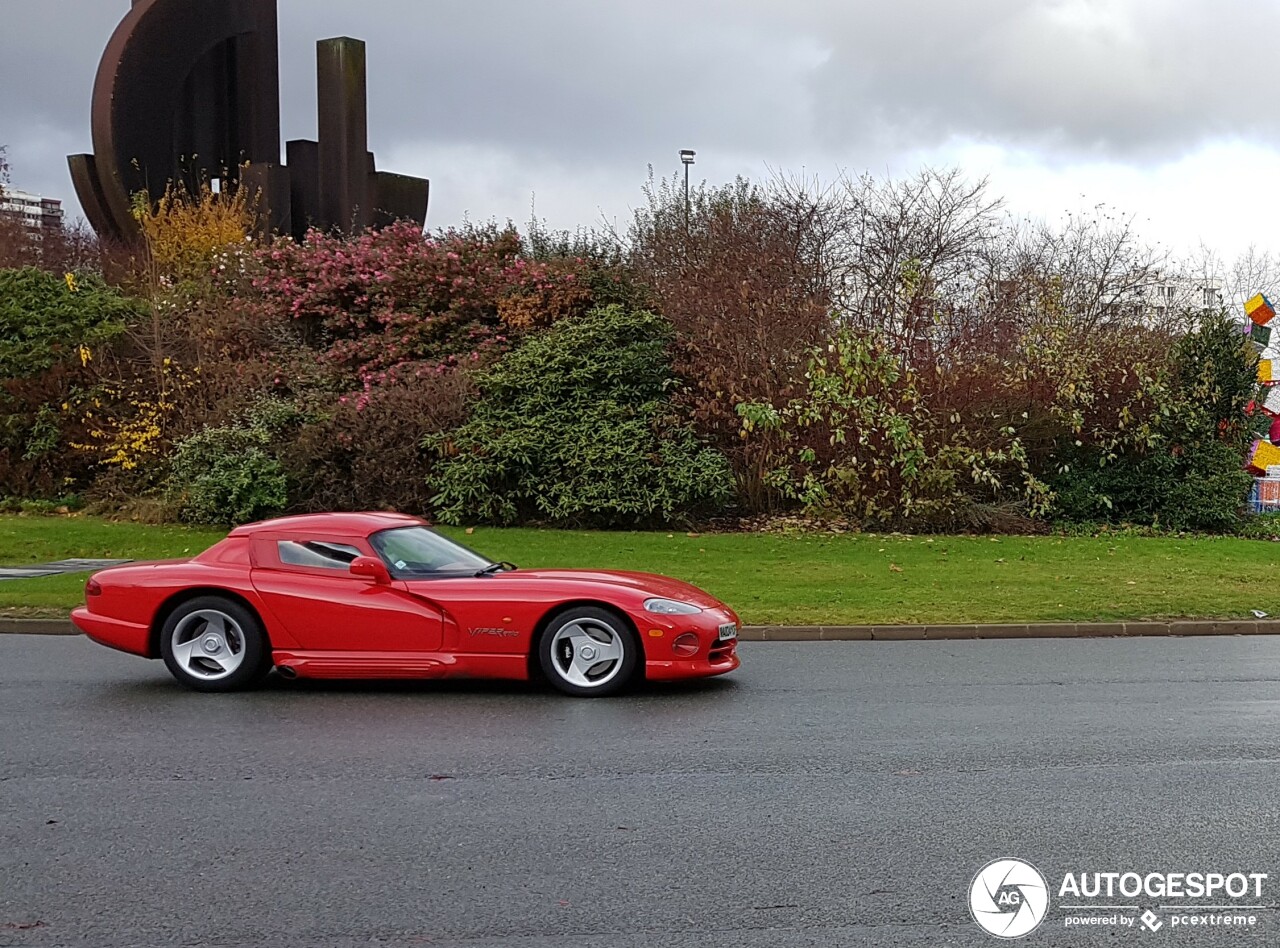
(728, 631)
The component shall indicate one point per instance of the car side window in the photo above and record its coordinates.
(322, 554)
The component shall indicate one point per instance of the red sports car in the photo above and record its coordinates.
(380, 595)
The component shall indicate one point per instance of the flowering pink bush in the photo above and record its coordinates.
(393, 304)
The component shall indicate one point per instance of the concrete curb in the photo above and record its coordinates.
(37, 627)
(1038, 630)
(890, 633)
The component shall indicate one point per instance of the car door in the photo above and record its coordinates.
(306, 583)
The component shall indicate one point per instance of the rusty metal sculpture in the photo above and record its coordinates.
(191, 91)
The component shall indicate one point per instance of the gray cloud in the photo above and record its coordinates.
(1138, 79)
(567, 80)
(563, 96)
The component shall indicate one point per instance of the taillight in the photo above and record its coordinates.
(686, 645)
(92, 588)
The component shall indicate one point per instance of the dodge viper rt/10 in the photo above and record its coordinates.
(380, 595)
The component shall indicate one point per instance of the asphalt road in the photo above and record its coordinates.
(827, 794)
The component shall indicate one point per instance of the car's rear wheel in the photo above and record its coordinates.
(215, 644)
(589, 652)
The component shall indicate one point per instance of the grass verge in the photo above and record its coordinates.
(788, 579)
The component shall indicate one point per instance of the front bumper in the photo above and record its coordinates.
(675, 670)
(715, 655)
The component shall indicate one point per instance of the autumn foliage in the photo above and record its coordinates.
(185, 231)
(891, 353)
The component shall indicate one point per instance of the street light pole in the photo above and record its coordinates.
(686, 157)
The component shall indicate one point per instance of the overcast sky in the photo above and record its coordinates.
(1165, 109)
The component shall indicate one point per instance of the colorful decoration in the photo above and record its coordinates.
(1259, 310)
(1269, 491)
(1271, 400)
(1263, 455)
(1264, 496)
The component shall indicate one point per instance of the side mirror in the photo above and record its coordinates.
(368, 567)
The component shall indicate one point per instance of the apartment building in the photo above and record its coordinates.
(38, 214)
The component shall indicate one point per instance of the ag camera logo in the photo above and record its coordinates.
(1008, 898)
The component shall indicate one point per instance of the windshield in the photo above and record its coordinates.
(420, 551)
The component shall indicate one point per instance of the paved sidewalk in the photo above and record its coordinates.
(38, 570)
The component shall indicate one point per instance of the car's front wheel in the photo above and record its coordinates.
(215, 644)
(589, 652)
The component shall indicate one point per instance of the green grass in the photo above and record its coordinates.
(801, 580)
(33, 539)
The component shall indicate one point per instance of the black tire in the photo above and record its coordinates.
(243, 646)
(568, 666)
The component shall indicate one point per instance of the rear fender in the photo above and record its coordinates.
(276, 637)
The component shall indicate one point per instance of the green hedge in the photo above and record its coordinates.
(575, 427)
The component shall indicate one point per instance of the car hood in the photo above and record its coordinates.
(650, 584)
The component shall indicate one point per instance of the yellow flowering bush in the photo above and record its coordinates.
(128, 432)
(186, 232)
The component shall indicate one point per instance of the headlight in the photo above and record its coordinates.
(669, 607)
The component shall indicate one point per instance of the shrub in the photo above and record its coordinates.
(186, 230)
(575, 427)
(229, 474)
(1182, 468)
(199, 265)
(366, 452)
(735, 272)
(860, 444)
(1201, 489)
(392, 300)
(389, 297)
(41, 508)
(46, 320)
(1216, 370)
(599, 261)
(56, 338)
(539, 293)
